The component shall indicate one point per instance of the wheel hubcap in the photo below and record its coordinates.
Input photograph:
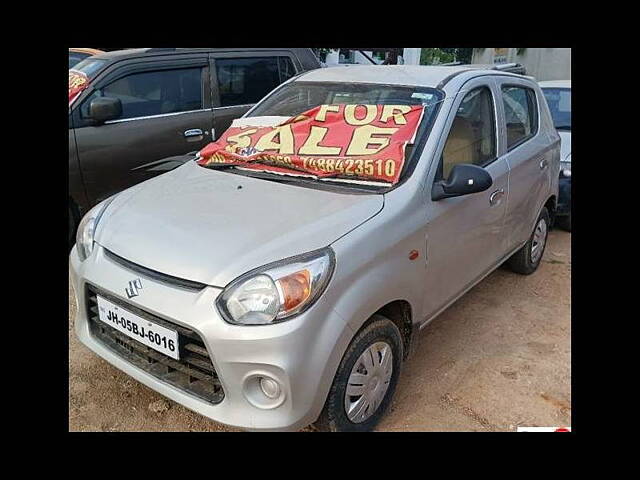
(368, 382)
(539, 239)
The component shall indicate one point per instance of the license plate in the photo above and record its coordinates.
(149, 333)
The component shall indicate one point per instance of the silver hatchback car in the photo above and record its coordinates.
(270, 301)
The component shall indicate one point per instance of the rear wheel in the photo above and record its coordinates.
(526, 260)
(365, 381)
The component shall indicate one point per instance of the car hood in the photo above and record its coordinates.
(565, 144)
(211, 226)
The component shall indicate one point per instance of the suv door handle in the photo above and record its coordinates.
(194, 132)
(543, 163)
(495, 197)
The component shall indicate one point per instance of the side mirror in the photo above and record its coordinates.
(463, 180)
(102, 109)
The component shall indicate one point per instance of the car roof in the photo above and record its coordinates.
(148, 52)
(412, 75)
(555, 84)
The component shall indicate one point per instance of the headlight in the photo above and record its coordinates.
(87, 228)
(278, 291)
(565, 169)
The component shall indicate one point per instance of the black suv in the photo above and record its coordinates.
(142, 106)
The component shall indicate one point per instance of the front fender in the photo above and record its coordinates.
(373, 267)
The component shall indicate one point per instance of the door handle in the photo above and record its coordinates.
(193, 132)
(543, 163)
(495, 197)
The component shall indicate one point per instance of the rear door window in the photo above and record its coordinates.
(521, 114)
(154, 93)
(243, 81)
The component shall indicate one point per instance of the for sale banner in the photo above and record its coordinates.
(365, 142)
(78, 81)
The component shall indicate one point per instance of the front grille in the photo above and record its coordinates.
(157, 276)
(193, 373)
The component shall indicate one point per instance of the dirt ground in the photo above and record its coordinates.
(499, 358)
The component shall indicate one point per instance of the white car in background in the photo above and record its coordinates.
(558, 95)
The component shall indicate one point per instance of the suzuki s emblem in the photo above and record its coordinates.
(132, 289)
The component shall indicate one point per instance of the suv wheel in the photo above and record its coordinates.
(526, 260)
(365, 381)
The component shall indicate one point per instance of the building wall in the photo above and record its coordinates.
(542, 63)
(411, 56)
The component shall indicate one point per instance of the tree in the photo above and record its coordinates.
(321, 53)
(434, 56)
(464, 55)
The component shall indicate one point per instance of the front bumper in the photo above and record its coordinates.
(302, 354)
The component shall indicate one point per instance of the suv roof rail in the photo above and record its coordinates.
(510, 67)
(504, 66)
(162, 50)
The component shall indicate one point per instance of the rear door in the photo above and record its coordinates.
(528, 153)
(166, 111)
(240, 79)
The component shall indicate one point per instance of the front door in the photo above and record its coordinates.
(166, 111)
(465, 236)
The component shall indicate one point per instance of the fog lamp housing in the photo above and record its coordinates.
(270, 388)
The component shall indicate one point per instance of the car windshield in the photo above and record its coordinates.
(90, 66)
(295, 98)
(76, 57)
(559, 100)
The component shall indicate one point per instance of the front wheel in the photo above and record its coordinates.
(365, 381)
(526, 260)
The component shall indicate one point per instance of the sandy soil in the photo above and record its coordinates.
(498, 358)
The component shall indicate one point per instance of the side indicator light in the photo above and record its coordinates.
(413, 254)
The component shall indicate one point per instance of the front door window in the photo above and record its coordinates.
(472, 138)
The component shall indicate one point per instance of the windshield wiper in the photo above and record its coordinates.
(271, 176)
(221, 166)
(563, 127)
(295, 176)
(355, 179)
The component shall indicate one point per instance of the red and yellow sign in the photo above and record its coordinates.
(78, 81)
(366, 142)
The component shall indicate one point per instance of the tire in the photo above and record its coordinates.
(525, 261)
(564, 222)
(380, 333)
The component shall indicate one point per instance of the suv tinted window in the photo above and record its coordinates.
(559, 101)
(243, 81)
(520, 114)
(154, 93)
(472, 138)
(287, 70)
